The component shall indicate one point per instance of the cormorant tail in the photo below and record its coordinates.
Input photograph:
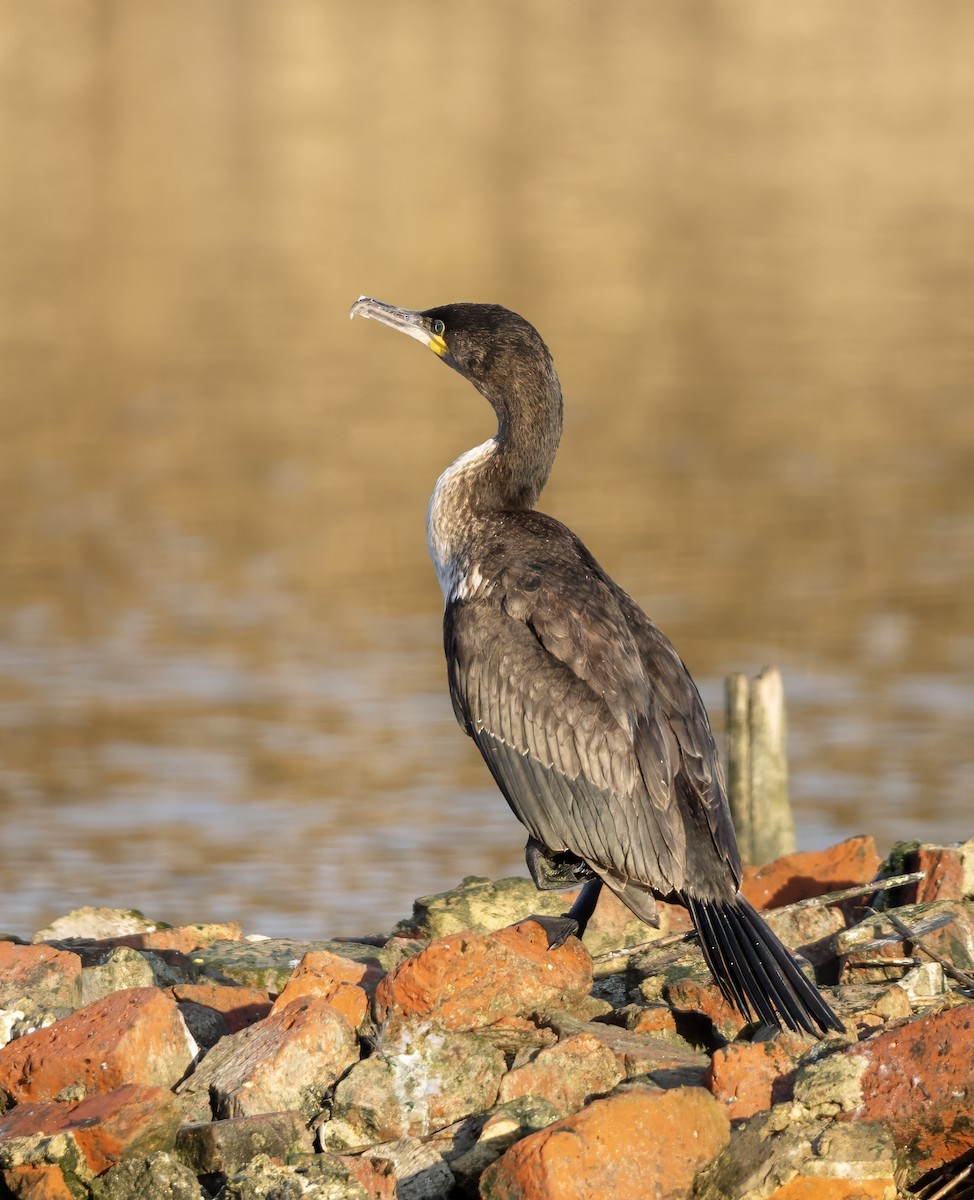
(754, 971)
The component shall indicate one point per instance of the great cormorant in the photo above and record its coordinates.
(583, 711)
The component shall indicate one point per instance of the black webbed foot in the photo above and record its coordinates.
(557, 929)
(554, 871)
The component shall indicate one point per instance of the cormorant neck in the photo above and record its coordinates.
(506, 473)
(529, 425)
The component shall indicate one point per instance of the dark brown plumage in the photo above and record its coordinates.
(583, 711)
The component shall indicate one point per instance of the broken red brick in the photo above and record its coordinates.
(42, 1182)
(377, 1176)
(688, 995)
(816, 1187)
(568, 1074)
(49, 977)
(345, 983)
(631, 1145)
(183, 938)
(288, 1061)
(944, 874)
(654, 1018)
(132, 1036)
(239, 1006)
(811, 873)
(105, 1127)
(918, 1080)
(468, 981)
(747, 1077)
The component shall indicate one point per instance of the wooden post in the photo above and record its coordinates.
(757, 767)
(738, 761)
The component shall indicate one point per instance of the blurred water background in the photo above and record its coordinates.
(745, 228)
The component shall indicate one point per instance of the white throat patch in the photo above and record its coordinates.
(447, 520)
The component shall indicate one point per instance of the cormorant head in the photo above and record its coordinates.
(501, 354)
(505, 359)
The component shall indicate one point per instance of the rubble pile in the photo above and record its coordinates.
(460, 1057)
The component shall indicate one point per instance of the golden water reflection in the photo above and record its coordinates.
(747, 232)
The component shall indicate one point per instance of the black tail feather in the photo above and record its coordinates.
(778, 974)
(715, 931)
(744, 966)
(754, 971)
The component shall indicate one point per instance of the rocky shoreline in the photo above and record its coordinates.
(459, 1057)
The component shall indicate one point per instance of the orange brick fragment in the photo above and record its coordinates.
(468, 981)
(43, 1182)
(136, 1035)
(811, 873)
(345, 983)
(633, 1144)
(747, 1077)
(239, 1006)
(135, 1119)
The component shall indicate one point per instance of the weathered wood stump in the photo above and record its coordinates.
(757, 766)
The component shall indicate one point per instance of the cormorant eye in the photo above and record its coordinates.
(438, 327)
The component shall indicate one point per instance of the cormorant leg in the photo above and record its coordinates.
(560, 929)
(554, 871)
(585, 903)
